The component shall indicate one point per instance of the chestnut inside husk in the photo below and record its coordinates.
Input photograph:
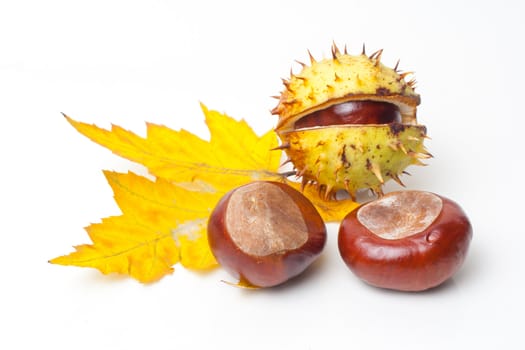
(352, 112)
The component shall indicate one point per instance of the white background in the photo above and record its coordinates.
(127, 62)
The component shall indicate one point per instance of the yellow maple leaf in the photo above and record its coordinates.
(233, 156)
(164, 221)
(161, 224)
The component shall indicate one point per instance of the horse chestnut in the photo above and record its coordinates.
(265, 233)
(408, 240)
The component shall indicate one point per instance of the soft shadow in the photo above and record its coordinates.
(92, 277)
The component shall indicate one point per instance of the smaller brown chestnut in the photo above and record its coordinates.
(265, 233)
(407, 240)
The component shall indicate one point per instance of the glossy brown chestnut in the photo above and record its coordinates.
(353, 112)
(265, 233)
(408, 240)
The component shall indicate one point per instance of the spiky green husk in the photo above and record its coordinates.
(352, 157)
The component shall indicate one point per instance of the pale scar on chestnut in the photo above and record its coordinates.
(257, 217)
(400, 215)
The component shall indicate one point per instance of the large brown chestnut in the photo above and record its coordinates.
(407, 240)
(265, 233)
